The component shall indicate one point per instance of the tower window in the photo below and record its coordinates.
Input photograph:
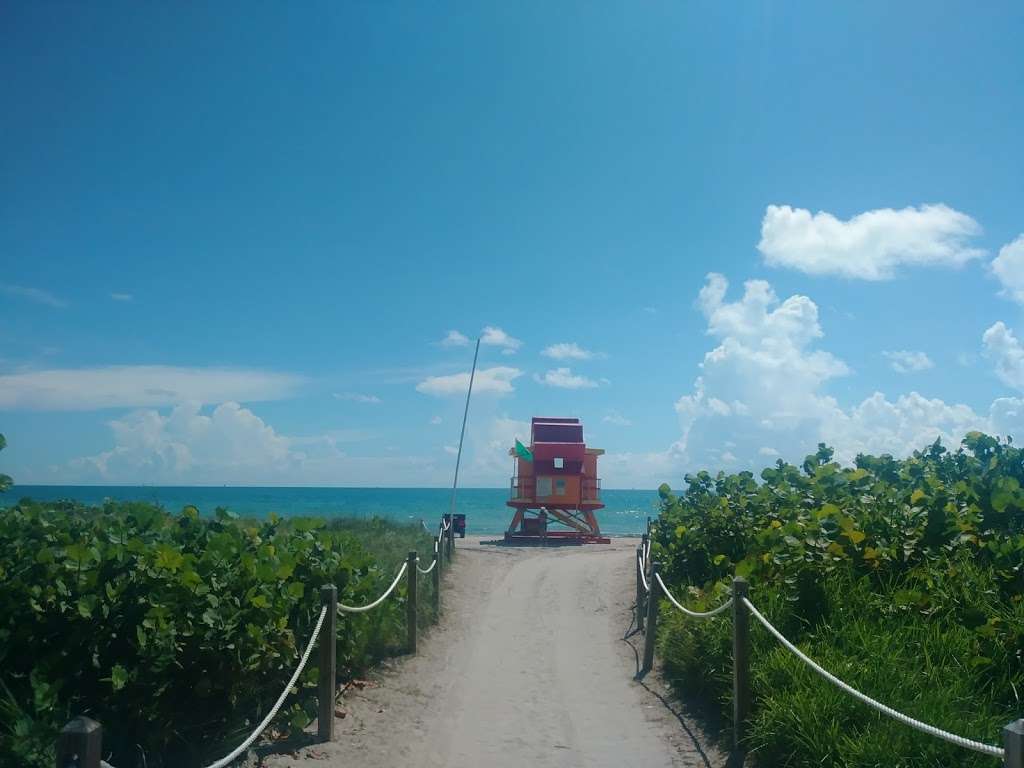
(559, 463)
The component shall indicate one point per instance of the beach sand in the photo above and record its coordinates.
(527, 668)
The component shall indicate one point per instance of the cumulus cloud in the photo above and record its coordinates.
(762, 388)
(454, 339)
(231, 442)
(869, 246)
(435, 420)
(564, 378)
(137, 386)
(568, 351)
(1002, 347)
(1008, 267)
(122, 297)
(616, 418)
(357, 397)
(37, 295)
(495, 337)
(906, 361)
(497, 380)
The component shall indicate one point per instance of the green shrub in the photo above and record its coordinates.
(903, 578)
(178, 632)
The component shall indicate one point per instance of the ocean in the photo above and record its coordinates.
(625, 511)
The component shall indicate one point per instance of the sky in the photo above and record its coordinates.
(254, 244)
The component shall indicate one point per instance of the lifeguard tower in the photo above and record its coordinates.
(555, 482)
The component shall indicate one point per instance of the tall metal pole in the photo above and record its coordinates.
(462, 436)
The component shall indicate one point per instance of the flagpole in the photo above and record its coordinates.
(462, 436)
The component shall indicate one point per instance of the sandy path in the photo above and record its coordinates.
(527, 668)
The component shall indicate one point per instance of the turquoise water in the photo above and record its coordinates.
(625, 511)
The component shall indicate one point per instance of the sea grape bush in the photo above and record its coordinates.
(904, 575)
(177, 631)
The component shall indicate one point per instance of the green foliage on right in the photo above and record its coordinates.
(177, 631)
(901, 577)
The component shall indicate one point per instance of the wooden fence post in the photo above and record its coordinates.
(410, 601)
(652, 621)
(80, 744)
(437, 582)
(639, 593)
(1013, 743)
(451, 537)
(328, 664)
(740, 662)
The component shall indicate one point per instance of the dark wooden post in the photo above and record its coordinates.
(652, 621)
(1013, 743)
(80, 744)
(740, 662)
(410, 602)
(639, 593)
(328, 664)
(451, 537)
(437, 581)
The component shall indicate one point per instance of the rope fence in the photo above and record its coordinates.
(650, 588)
(80, 742)
(931, 730)
(379, 600)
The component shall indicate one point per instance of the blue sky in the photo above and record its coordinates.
(233, 238)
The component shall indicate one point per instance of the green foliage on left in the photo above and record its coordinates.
(178, 631)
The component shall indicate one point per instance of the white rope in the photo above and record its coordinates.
(643, 579)
(687, 611)
(446, 524)
(379, 600)
(647, 553)
(428, 570)
(931, 730)
(277, 706)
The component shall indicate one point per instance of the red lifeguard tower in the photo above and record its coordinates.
(555, 481)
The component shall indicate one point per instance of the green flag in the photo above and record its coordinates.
(522, 451)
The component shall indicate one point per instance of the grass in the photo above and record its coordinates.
(931, 666)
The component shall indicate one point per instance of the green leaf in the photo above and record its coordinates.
(118, 677)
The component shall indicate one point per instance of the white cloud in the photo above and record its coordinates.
(906, 361)
(569, 351)
(495, 337)
(871, 245)
(32, 294)
(564, 378)
(762, 388)
(136, 386)
(1002, 346)
(451, 449)
(122, 297)
(436, 420)
(231, 442)
(497, 380)
(1008, 267)
(616, 418)
(454, 339)
(357, 397)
